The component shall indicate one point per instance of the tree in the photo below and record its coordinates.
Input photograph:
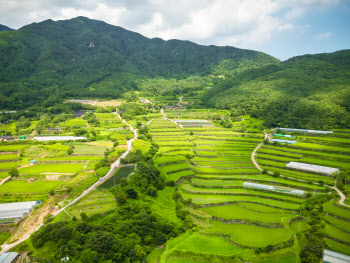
(131, 193)
(83, 216)
(121, 198)
(13, 172)
(276, 174)
(115, 144)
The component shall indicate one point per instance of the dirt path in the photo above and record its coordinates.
(165, 117)
(5, 180)
(267, 136)
(342, 196)
(28, 226)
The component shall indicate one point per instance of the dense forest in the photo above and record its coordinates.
(310, 91)
(51, 60)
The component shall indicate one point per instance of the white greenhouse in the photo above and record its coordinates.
(11, 212)
(312, 168)
(193, 122)
(259, 186)
(283, 141)
(303, 130)
(59, 138)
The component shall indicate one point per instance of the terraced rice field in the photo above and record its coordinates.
(96, 202)
(21, 186)
(326, 150)
(337, 227)
(219, 165)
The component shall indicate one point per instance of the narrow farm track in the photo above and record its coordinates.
(6, 247)
(165, 117)
(5, 180)
(256, 149)
(342, 196)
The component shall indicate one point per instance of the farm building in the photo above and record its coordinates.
(303, 130)
(12, 212)
(259, 186)
(193, 122)
(312, 168)
(9, 257)
(334, 257)
(59, 138)
(283, 135)
(284, 141)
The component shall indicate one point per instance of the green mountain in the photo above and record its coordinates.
(306, 91)
(63, 58)
(5, 28)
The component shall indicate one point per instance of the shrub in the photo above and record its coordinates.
(121, 198)
(170, 183)
(276, 174)
(264, 171)
(131, 193)
(13, 172)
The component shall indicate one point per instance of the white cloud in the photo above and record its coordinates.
(241, 23)
(323, 35)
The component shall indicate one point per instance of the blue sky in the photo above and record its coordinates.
(325, 30)
(281, 28)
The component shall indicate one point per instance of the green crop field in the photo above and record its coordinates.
(208, 244)
(176, 176)
(289, 258)
(202, 199)
(338, 234)
(141, 145)
(239, 212)
(122, 172)
(73, 158)
(174, 167)
(12, 148)
(343, 212)
(169, 159)
(52, 168)
(96, 202)
(4, 236)
(299, 226)
(77, 122)
(8, 156)
(8, 165)
(21, 186)
(250, 235)
(84, 148)
(341, 224)
(337, 246)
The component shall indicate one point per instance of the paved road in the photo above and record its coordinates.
(6, 247)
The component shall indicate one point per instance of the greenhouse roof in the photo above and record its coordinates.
(334, 257)
(303, 130)
(283, 141)
(259, 186)
(312, 168)
(59, 138)
(199, 121)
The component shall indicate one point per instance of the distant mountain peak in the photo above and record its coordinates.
(5, 28)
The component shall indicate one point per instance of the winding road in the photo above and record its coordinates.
(6, 247)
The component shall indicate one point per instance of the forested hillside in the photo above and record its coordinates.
(61, 59)
(307, 91)
(5, 28)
